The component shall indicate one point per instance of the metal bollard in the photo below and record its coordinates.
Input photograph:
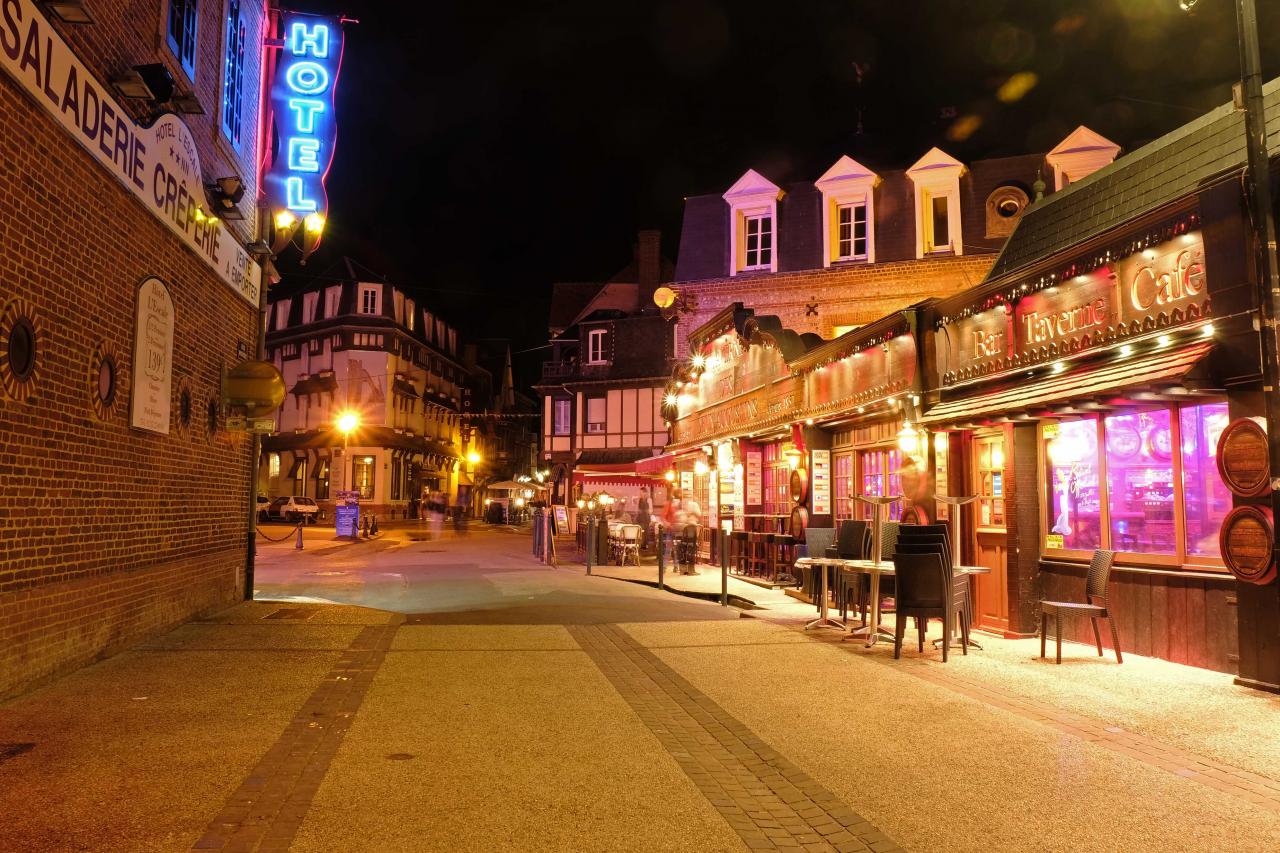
(537, 532)
(724, 568)
(662, 564)
(298, 546)
(591, 541)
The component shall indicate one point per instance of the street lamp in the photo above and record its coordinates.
(348, 421)
(473, 457)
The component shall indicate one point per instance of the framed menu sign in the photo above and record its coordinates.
(152, 359)
(754, 471)
(821, 482)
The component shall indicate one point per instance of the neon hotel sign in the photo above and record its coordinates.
(302, 103)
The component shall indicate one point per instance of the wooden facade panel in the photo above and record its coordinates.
(615, 411)
(1186, 620)
(628, 415)
(593, 441)
(629, 439)
(644, 409)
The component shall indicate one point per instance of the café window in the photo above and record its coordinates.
(776, 481)
(362, 476)
(842, 473)
(879, 474)
(1142, 482)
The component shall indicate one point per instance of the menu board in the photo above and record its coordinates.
(561, 515)
(821, 483)
(755, 477)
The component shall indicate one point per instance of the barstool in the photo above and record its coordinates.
(738, 556)
(766, 545)
(784, 549)
(755, 553)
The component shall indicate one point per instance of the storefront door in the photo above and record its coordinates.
(991, 605)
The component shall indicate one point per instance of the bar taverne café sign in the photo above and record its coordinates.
(158, 164)
(1161, 284)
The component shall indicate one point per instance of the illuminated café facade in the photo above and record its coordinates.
(757, 402)
(1100, 389)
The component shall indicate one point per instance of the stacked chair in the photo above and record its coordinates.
(926, 587)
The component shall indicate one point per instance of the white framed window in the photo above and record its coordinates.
(848, 212)
(332, 298)
(409, 311)
(310, 302)
(757, 243)
(180, 33)
(595, 414)
(428, 326)
(753, 223)
(562, 421)
(851, 232)
(398, 302)
(597, 339)
(936, 177)
(273, 465)
(282, 313)
(369, 299)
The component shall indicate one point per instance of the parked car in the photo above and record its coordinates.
(264, 504)
(293, 508)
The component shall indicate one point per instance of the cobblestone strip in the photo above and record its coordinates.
(1260, 790)
(769, 802)
(266, 810)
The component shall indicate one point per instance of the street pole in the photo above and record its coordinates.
(1260, 210)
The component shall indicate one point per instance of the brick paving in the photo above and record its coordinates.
(1260, 790)
(266, 810)
(769, 802)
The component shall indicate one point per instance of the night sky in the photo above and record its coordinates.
(486, 150)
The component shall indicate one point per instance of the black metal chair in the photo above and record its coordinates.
(852, 543)
(687, 548)
(1095, 606)
(817, 541)
(924, 591)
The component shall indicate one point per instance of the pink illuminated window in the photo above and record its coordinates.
(1206, 499)
(843, 475)
(881, 475)
(1140, 482)
(1075, 498)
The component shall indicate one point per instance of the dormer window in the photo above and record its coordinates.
(848, 212)
(753, 218)
(597, 340)
(1081, 154)
(936, 177)
(369, 299)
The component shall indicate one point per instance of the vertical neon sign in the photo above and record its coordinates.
(303, 110)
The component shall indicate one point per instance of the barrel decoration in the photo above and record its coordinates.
(1242, 458)
(1245, 541)
(800, 485)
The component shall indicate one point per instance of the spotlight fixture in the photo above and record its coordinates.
(67, 11)
(151, 82)
(188, 104)
(224, 194)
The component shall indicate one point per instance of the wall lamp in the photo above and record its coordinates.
(67, 11)
(225, 194)
(150, 82)
(672, 302)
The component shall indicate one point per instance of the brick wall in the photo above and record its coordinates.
(109, 535)
(843, 295)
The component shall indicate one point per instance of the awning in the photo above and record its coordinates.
(1152, 368)
(315, 385)
(596, 479)
(655, 465)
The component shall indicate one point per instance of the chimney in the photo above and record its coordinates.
(648, 265)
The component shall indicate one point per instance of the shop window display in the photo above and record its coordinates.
(880, 475)
(1141, 482)
(1206, 499)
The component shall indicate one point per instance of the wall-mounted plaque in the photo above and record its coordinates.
(1242, 457)
(1245, 540)
(150, 391)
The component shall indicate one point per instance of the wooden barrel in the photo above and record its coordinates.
(800, 485)
(1245, 540)
(1242, 457)
(797, 522)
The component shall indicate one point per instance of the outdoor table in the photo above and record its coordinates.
(874, 630)
(822, 564)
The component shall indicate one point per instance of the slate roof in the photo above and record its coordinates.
(1155, 175)
(567, 301)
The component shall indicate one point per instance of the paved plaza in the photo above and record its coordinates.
(408, 694)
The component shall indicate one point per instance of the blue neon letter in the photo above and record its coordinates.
(314, 41)
(302, 154)
(304, 113)
(307, 78)
(294, 198)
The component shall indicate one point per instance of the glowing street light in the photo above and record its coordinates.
(473, 457)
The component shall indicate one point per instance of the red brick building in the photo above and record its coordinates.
(122, 497)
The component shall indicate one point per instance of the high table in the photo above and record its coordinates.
(824, 619)
(959, 502)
